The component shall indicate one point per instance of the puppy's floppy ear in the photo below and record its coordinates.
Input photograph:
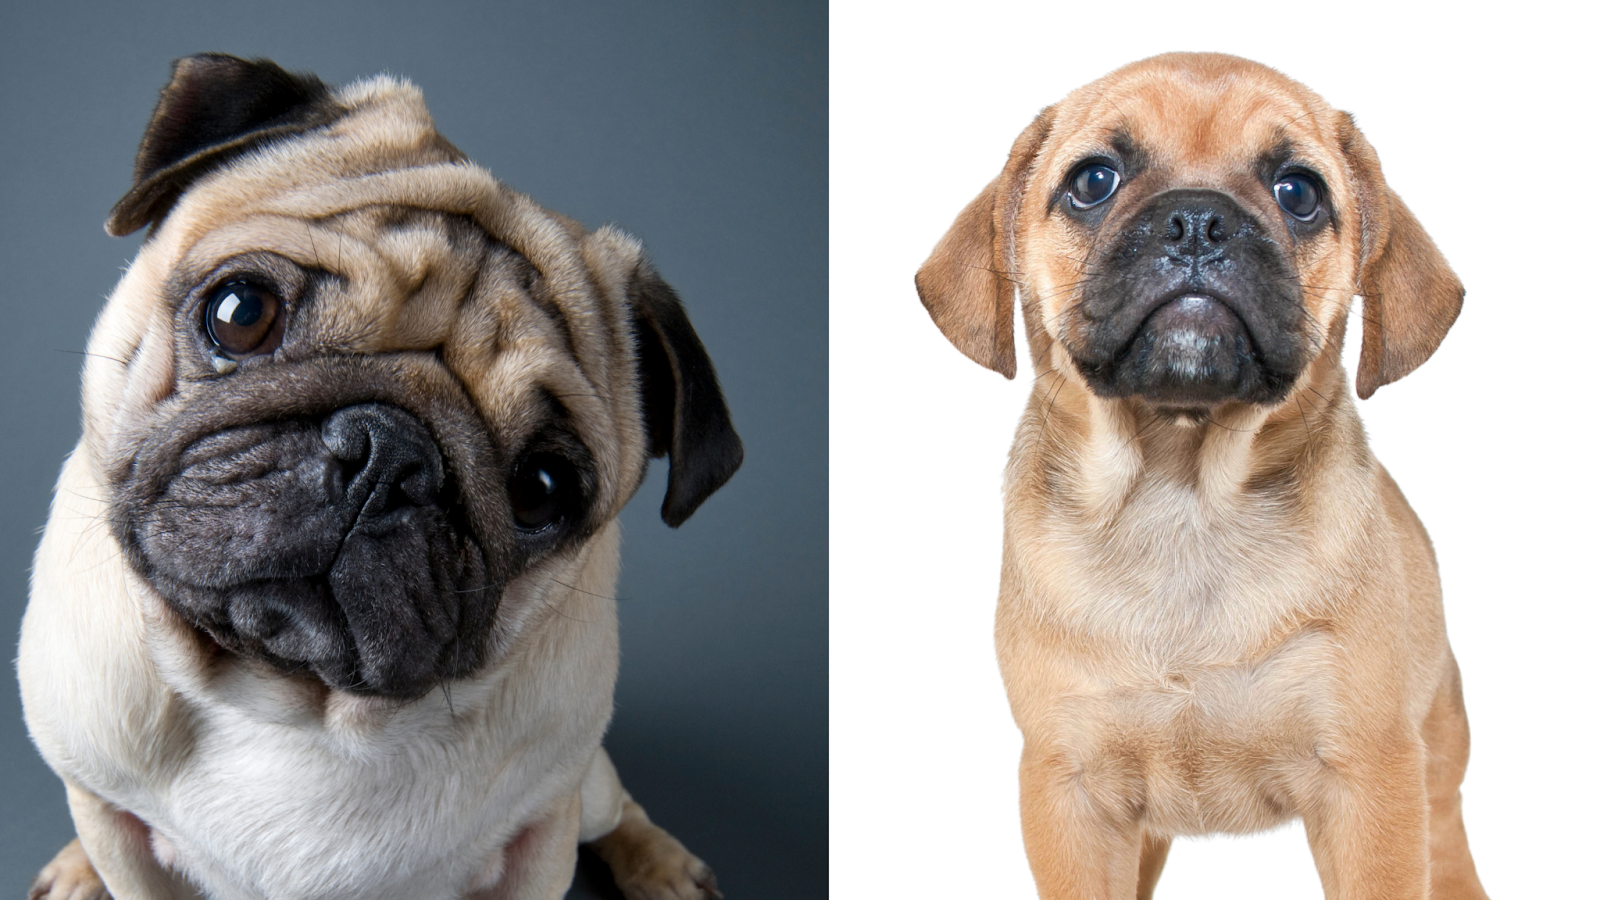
(1410, 294)
(685, 416)
(967, 284)
(215, 108)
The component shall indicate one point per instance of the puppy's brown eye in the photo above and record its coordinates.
(1092, 184)
(1298, 196)
(240, 318)
(545, 489)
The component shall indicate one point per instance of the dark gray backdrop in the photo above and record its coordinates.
(701, 128)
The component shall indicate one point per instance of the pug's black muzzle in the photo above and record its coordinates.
(319, 524)
(1192, 304)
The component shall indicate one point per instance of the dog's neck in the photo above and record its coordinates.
(1226, 455)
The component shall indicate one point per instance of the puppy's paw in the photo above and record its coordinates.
(647, 863)
(70, 876)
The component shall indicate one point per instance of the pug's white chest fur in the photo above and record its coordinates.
(253, 810)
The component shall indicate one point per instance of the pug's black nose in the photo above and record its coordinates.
(388, 460)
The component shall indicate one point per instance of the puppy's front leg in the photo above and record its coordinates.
(1368, 825)
(646, 861)
(1082, 842)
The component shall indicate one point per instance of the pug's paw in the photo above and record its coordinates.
(70, 876)
(649, 864)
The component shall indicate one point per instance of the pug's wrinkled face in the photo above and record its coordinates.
(1192, 244)
(353, 388)
(316, 499)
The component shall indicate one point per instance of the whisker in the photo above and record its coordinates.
(97, 355)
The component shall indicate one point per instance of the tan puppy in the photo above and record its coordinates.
(1217, 611)
(324, 606)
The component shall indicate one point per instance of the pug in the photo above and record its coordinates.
(1217, 611)
(324, 607)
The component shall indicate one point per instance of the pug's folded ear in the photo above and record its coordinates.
(685, 416)
(215, 107)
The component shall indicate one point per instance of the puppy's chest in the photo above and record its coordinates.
(1190, 666)
(1209, 580)
(1202, 746)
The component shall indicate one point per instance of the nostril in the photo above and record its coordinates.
(420, 482)
(1175, 227)
(349, 446)
(349, 468)
(1217, 230)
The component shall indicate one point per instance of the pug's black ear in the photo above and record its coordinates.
(216, 107)
(685, 416)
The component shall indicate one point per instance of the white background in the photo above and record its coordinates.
(1486, 126)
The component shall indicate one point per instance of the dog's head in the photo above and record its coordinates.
(352, 387)
(1190, 230)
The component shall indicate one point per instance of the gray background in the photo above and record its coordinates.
(699, 127)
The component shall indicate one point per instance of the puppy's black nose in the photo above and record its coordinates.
(1197, 223)
(388, 460)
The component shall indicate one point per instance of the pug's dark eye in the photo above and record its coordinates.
(1092, 184)
(1298, 196)
(240, 317)
(545, 490)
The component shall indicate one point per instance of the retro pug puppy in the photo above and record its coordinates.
(323, 608)
(1217, 611)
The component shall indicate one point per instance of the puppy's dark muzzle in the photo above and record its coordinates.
(1192, 304)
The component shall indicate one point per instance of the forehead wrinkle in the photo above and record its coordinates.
(511, 344)
(505, 385)
(549, 244)
(409, 288)
(298, 240)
